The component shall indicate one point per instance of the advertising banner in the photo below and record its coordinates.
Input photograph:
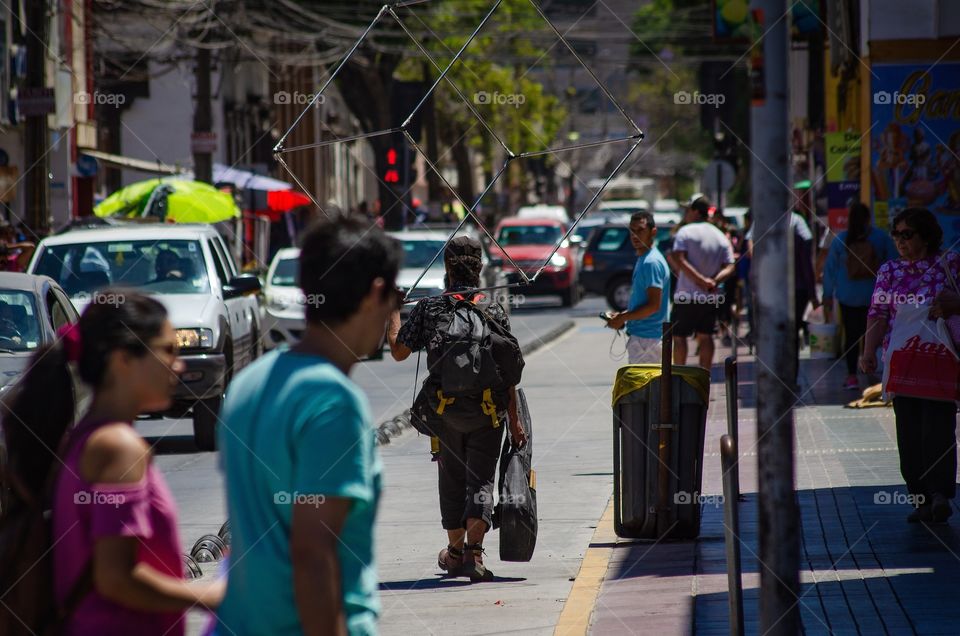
(915, 153)
(843, 176)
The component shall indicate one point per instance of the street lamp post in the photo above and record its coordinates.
(779, 518)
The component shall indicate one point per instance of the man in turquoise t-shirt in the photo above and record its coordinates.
(297, 448)
(650, 296)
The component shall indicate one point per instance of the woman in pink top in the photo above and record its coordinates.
(115, 542)
(926, 429)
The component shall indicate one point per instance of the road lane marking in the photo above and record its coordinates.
(578, 608)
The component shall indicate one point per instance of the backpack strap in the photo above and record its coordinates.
(489, 408)
(444, 402)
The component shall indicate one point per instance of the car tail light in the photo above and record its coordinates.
(588, 262)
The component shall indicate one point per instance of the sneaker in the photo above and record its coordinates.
(921, 513)
(851, 383)
(473, 564)
(940, 508)
(450, 560)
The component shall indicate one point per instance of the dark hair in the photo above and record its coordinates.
(41, 407)
(702, 206)
(643, 215)
(339, 261)
(463, 258)
(858, 222)
(925, 224)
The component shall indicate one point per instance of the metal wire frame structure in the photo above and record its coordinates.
(390, 10)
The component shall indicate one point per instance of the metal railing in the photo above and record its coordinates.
(731, 525)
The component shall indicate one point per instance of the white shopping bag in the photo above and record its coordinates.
(920, 360)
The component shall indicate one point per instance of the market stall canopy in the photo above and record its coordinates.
(171, 200)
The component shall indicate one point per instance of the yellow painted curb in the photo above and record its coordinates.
(575, 617)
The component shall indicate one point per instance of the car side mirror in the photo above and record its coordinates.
(242, 285)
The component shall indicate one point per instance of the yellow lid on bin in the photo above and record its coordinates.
(634, 377)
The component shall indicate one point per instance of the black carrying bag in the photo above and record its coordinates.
(516, 512)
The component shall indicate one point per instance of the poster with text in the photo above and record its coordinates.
(843, 176)
(915, 143)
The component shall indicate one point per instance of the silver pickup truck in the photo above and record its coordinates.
(213, 307)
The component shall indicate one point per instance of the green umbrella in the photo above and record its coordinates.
(174, 200)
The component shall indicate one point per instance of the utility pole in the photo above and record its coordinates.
(35, 133)
(779, 518)
(203, 143)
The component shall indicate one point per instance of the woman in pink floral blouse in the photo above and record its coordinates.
(926, 429)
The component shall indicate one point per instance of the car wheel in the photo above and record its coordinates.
(205, 416)
(206, 413)
(256, 349)
(570, 297)
(618, 293)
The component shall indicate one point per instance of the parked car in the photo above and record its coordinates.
(283, 310)
(420, 246)
(529, 243)
(32, 308)
(608, 261)
(213, 307)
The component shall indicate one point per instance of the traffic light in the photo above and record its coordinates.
(392, 174)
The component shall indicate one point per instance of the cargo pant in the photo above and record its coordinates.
(467, 469)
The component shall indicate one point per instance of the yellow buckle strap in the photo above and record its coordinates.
(434, 445)
(489, 408)
(443, 402)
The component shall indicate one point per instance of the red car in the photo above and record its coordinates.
(529, 243)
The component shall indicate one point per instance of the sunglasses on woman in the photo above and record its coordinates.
(906, 235)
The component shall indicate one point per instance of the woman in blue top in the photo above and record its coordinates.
(849, 275)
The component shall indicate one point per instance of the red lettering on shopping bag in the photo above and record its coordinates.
(924, 370)
(915, 344)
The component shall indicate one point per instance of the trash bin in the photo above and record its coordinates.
(636, 439)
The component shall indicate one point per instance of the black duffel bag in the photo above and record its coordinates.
(516, 512)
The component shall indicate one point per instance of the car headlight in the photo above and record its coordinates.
(558, 260)
(194, 338)
(277, 302)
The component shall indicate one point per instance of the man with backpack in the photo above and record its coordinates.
(474, 365)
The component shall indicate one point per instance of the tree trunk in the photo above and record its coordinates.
(461, 158)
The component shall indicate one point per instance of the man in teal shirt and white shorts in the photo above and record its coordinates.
(650, 297)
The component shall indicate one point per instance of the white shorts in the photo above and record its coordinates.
(644, 350)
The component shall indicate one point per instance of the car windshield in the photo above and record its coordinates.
(418, 252)
(157, 267)
(20, 327)
(286, 273)
(529, 235)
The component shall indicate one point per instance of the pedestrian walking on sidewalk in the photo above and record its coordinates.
(926, 429)
(469, 426)
(298, 451)
(703, 258)
(117, 557)
(649, 296)
(849, 274)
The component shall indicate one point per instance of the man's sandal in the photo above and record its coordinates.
(450, 560)
(473, 564)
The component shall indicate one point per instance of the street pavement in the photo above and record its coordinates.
(567, 385)
(197, 484)
(864, 570)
